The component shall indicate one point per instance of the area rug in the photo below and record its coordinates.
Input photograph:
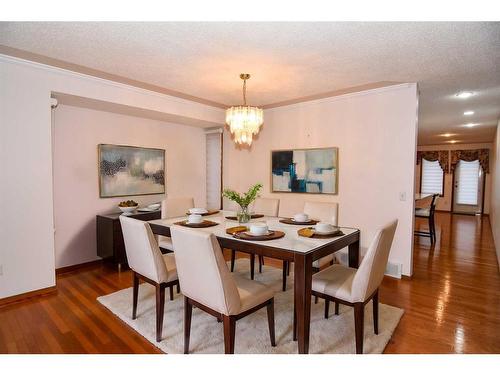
(333, 335)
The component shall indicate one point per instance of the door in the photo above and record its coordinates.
(468, 187)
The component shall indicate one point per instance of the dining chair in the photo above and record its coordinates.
(267, 207)
(321, 211)
(356, 287)
(208, 284)
(148, 264)
(428, 213)
(173, 207)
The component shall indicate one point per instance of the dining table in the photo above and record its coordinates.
(420, 196)
(303, 251)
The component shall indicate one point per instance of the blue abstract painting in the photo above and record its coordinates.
(305, 171)
(127, 170)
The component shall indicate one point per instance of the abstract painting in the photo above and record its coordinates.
(305, 171)
(127, 170)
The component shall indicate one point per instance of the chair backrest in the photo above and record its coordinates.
(266, 206)
(435, 198)
(202, 270)
(143, 254)
(175, 207)
(371, 270)
(322, 211)
(290, 206)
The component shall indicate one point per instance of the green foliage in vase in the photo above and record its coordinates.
(245, 199)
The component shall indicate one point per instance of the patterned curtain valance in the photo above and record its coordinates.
(441, 156)
(483, 155)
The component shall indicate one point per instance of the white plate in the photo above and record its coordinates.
(297, 221)
(198, 211)
(258, 235)
(327, 232)
(147, 209)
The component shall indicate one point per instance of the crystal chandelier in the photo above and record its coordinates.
(244, 121)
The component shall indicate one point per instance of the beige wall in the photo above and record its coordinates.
(445, 202)
(78, 131)
(26, 194)
(495, 188)
(375, 132)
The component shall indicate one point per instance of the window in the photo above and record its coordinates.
(214, 169)
(467, 182)
(432, 177)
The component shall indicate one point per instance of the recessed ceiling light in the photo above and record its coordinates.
(464, 94)
(468, 113)
(470, 125)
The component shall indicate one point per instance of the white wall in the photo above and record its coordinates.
(27, 251)
(375, 132)
(444, 203)
(495, 196)
(78, 131)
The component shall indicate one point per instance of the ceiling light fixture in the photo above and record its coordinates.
(464, 94)
(468, 113)
(244, 121)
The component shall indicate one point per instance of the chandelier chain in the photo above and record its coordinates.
(244, 91)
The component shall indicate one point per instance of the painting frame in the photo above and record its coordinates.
(335, 166)
(99, 175)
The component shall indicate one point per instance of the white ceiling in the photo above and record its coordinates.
(293, 60)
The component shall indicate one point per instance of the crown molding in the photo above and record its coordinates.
(45, 60)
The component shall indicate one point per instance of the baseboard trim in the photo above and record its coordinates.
(77, 267)
(23, 296)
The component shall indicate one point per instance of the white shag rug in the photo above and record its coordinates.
(334, 335)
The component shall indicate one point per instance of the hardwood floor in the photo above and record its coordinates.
(452, 303)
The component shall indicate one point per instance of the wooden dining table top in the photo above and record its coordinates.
(420, 196)
(291, 241)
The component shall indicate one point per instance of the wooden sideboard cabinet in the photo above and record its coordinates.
(110, 244)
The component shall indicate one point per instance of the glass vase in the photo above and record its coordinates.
(243, 215)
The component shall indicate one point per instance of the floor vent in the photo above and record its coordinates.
(394, 269)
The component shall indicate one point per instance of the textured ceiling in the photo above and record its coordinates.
(293, 60)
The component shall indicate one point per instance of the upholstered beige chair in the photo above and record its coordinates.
(173, 207)
(207, 284)
(263, 206)
(321, 211)
(356, 287)
(148, 264)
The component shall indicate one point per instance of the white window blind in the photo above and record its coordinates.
(468, 180)
(214, 170)
(432, 177)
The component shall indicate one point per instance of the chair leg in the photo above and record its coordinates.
(229, 323)
(188, 313)
(135, 295)
(285, 266)
(336, 308)
(431, 235)
(252, 266)
(160, 308)
(171, 292)
(434, 228)
(327, 308)
(270, 321)
(316, 300)
(178, 288)
(375, 312)
(294, 324)
(359, 319)
(233, 258)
